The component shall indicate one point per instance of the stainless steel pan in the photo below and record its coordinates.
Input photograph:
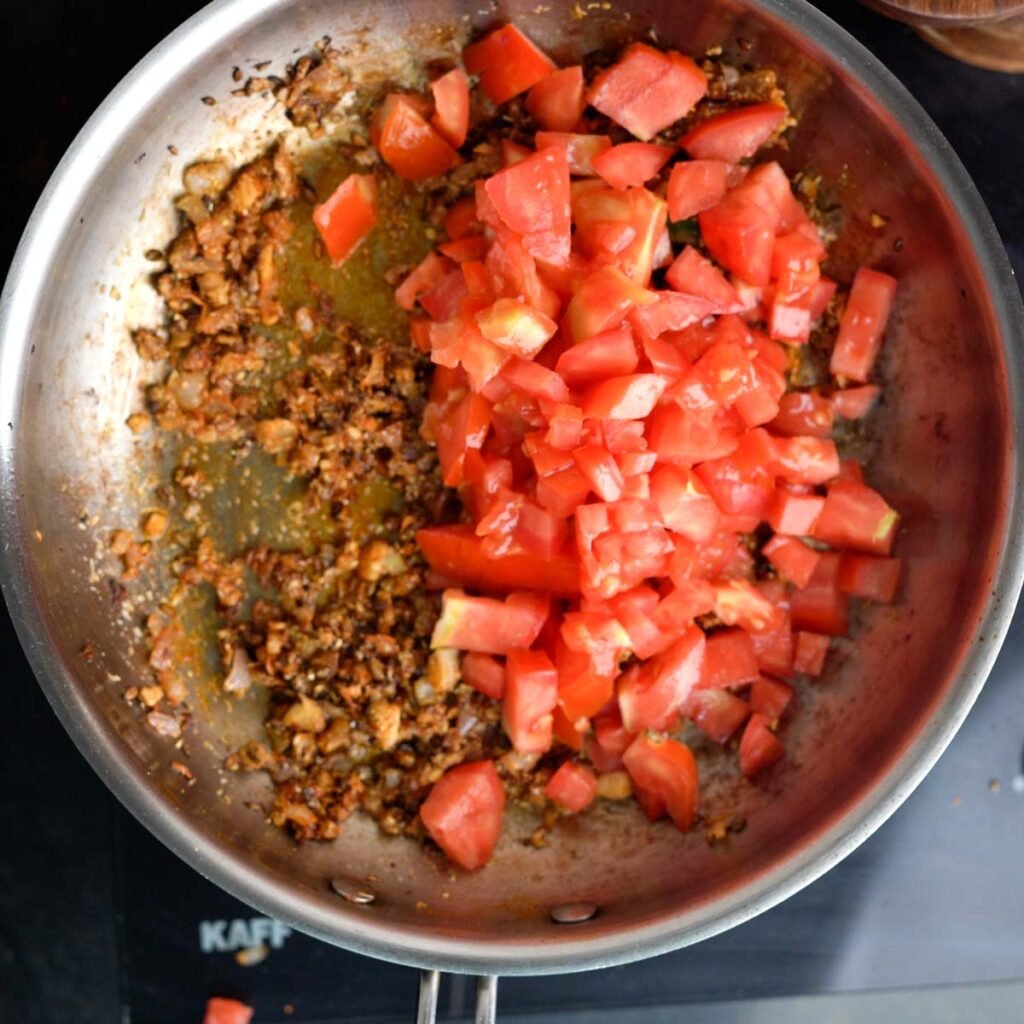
(949, 457)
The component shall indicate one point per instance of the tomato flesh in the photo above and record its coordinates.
(734, 135)
(573, 786)
(226, 1011)
(531, 695)
(508, 63)
(484, 673)
(863, 325)
(759, 747)
(409, 143)
(463, 813)
(556, 102)
(347, 216)
(666, 770)
(451, 99)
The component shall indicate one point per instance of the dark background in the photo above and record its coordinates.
(80, 882)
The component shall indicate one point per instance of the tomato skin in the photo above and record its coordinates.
(531, 694)
(718, 713)
(729, 660)
(580, 150)
(740, 235)
(651, 694)
(803, 413)
(612, 354)
(455, 552)
(810, 653)
(582, 688)
(770, 697)
(806, 460)
(226, 1011)
(855, 403)
(695, 186)
(463, 428)
(532, 198)
(408, 143)
(857, 516)
(347, 216)
(666, 770)
(820, 607)
(556, 103)
(573, 786)
(759, 747)
(869, 577)
(862, 326)
(631, 164)
(507, 62)
(734, 135)
(463, 813)
(792, 558)
(451, 98)
(646, 90)
(484, 673)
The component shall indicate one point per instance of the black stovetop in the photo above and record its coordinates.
(98, 923)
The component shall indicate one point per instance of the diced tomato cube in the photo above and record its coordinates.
(463, 428)
(685, 439)
(718, 713)
(875, 579)
(855, 403)
(463, 813)
(794, 514)
(583, 689)
(806, 460)
(651, 694)
(443, 297)
(670, 312)
(347, 216)
(598, 465)
(602, 302)
(740, 235)
(429, 273)
(556, 102)
(580, 150)
(773, 648)
(624, 398)
(621, 436)
(665, 770)
(631, 164)
(451, 102)
(533, 379)
(850, 471)
(516, 327)
(531, 693)
(688, 599)
(408, 143)
(810, 653)
(562, 492)
(488, 625)
(803, 413)
(612, 354)
(226, 1011)
(484, 673)
(792, 559)
(770, 698)
(619, 227)
(532, 198)
(862, 326)
(734, 135)
(760, 405)
(648, 89)
(685, 505)
(665, 356)
(693, 274)
(820, 607)
(695, 186)
(768, 185)
(740, 603)
(540, 531)
(573, 785)
(729, 659)
(460, 220)
(565, 427)
(471, 249)
(507, 62)
(857, 516)
(759, 747)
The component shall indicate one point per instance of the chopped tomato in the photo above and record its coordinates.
(513, 152)
(428, 274)
(855, 403)
(695, 186)
(460, 220)
(598, 465)
(347, 216)
(875, 579)
(462, 428)
(729, 659)
(665, 769)
(580, 150)
(463, 813)
(602, 301)
(442, 296)
(740, 235)
(806, 460)
(513, 325)
(692, 274)
(471, 249)
(533, 379)
(620, 227)
(810, 653)
(408, 143)
(612, 354)
(773, 647)
(455, 552)
(770, 698)
(484, 673)
(759, 746)
(631, 164)
(624, 398)
(531, 693)
(226, 1011)
(820, 606)
(670, 312)
(863, 325)
(564, 491)
(648, 89)
(487, 625)
(803, 413)
(792, 559)
(507, 62)
(583, 689)
(735, 134)
(718, 713)
(686, 439)
(532, 198)
(651, 694)
(857, 516)
(556, 102)
(684, 503)
(574, 786)
(451, 102)
(739, 603)
(794, 514)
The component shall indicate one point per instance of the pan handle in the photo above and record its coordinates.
(486, 998)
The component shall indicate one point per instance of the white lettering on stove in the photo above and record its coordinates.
(241, 933)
